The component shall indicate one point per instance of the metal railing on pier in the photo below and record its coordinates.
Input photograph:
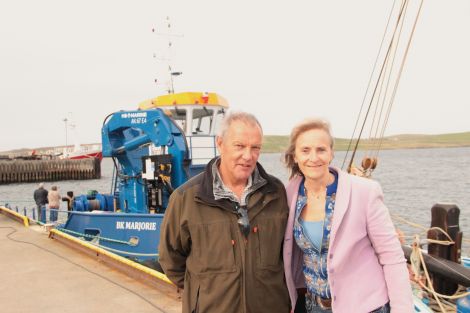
(47, 215)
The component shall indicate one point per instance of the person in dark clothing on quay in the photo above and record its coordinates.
(40, 197)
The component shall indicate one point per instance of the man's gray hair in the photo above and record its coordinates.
(232, 116)
(41, 185)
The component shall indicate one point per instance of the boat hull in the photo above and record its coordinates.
(97, 154)
(135, 236)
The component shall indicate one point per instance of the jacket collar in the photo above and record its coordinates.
(255, 181)
(206, 192)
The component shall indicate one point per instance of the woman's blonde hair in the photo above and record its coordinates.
(302, 127)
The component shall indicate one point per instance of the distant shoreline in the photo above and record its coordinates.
(278, 143)
(275, 144)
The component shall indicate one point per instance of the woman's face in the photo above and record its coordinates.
(313, 154)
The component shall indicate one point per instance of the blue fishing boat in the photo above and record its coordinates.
(154, 149)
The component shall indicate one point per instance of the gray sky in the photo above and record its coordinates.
(281, 60)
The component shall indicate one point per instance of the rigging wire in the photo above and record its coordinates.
(383, 95)
(390, 66)
(369, 83)
(399, 75)
(374, 92)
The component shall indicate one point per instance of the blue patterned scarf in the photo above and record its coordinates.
(315, 261)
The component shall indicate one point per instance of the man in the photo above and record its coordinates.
(53, 198)
(223, 230)
(40, 197)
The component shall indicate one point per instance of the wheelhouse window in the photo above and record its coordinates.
(197, 120)
(202, 121)
(179, 115)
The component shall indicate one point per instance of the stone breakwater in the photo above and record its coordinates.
(23, 171)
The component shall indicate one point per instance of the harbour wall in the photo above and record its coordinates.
(23, 171)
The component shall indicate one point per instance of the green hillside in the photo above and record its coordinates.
(279, 143)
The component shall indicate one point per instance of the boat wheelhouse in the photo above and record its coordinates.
(198, 114)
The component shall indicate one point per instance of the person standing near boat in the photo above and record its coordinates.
(221, 237)
(340, 246)
(54, 203)
(40, 197)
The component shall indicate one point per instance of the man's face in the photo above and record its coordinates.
(239, 151)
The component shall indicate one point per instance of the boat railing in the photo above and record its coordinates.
(48, 215)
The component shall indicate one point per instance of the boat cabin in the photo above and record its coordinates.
(198, 114)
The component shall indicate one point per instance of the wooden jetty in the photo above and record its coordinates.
(23, 171)
(39, 274)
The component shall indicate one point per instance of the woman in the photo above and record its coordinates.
(54, 203)
(340, 243)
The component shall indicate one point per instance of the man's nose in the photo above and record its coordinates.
(247, 154)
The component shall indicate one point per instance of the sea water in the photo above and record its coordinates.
(413, 180)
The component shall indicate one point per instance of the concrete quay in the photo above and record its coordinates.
(39, 274)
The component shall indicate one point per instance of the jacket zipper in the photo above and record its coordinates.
(242, 240)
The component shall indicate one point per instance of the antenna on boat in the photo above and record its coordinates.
(65, 120)
(171, 73)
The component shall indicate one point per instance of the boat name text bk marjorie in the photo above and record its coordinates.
(136, 225)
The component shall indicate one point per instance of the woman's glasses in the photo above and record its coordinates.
(243, 221)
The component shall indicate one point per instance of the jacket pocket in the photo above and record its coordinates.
(212, 248)
(270, 235)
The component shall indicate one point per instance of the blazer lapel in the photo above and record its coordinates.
(343, 194)
(292, 191)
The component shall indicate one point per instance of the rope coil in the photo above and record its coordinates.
(419, 270)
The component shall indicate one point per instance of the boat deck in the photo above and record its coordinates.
(39, 274)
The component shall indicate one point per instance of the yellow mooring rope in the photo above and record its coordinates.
(417, 262)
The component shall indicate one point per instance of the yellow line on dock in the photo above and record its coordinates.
(15, 215)
(113, 256)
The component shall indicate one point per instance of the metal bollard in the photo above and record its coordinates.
(25, 211)
(34, 213)
(445, 216)
(16, 208)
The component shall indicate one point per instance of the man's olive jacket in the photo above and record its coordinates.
(203, 250)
